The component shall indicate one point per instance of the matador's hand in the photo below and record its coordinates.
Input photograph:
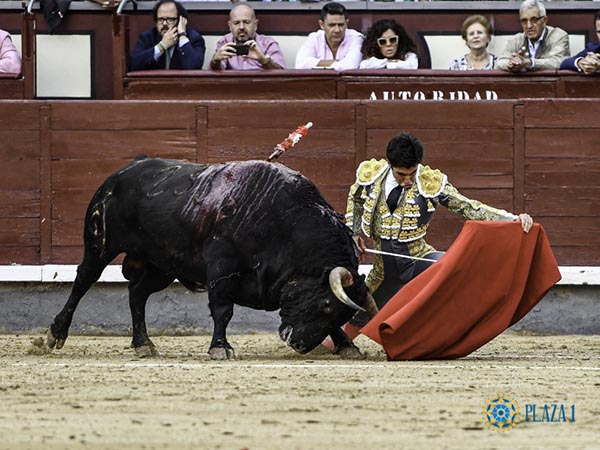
(360, 243)
(526, 222)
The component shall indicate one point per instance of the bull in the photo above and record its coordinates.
(252, 233)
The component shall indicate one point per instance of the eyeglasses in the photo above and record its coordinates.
(533, 20)
(392, 40)
(169, 20)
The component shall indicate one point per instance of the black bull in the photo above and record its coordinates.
(253, 233)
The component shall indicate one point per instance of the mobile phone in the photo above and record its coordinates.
(241, 49)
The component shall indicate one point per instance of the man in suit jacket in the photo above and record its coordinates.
(539, 46)
(587, 60)
(171, 44)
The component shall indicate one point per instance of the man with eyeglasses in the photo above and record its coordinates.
(334, 46)
(243, 48)
(171, 44)
(539, 46)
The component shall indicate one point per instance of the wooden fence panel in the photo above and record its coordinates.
(19, 182)
(562, 181)
(556, 158)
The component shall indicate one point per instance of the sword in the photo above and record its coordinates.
(379, 252)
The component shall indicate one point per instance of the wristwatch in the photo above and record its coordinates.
(267, 60)
(182, 34)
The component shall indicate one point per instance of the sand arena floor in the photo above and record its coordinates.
(95, 394)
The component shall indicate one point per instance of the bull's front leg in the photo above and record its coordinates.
(223, 279)
(344, 345)
(221, 314)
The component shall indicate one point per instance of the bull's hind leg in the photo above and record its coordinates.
(88, 273)
(144, 279)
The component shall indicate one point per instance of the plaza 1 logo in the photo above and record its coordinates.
(501, 413)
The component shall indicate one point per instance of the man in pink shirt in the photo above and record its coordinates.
(243, 48)
(10, 60)
(334, 46)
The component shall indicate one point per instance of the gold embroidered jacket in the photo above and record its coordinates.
(367, 210)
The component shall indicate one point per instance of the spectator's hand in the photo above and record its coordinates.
(254, 51)
(225, 52)
(526, 222)
(590, 63)
(182, 25)
(518, 62)
(170, 38)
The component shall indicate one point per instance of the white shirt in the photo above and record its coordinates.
(411, 62)
(315, 49)
(391, 183)
(533, 47)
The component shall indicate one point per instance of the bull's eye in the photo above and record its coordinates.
(327, 309)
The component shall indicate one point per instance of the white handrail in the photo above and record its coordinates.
(122, 5)
(30, 6)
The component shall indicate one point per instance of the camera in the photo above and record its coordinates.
(241, 49)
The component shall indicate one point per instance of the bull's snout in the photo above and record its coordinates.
(286, 336)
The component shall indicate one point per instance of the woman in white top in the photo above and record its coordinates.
(388, 46)
(477, 34)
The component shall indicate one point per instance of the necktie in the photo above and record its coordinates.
(167, 59)
(393, 197)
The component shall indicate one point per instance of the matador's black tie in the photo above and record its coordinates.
(392, 199)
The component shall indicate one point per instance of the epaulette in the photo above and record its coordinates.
(431, 182)
(369, 171)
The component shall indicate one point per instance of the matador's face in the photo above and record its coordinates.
(405, 176)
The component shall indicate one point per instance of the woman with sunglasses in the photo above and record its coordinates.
(477, 32)
(388, 46)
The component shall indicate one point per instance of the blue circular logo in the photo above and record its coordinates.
(501, 413)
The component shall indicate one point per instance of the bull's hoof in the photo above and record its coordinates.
(146, 350)
(221, 353)
(54, 342)
(350, 352)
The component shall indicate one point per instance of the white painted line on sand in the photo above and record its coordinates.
(231, 364)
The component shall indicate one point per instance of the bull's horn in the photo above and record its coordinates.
(338, 278)
(371, 306)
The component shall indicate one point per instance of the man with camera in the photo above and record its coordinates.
(243, 48)
(171, 44)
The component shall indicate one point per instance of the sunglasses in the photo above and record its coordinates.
(392, 40)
